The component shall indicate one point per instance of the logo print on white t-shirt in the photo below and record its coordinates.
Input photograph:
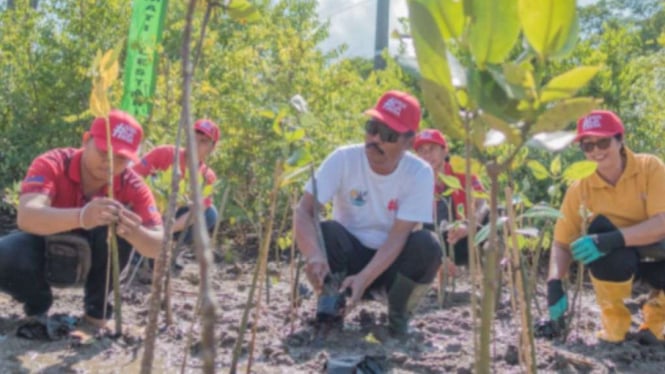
(357, 197)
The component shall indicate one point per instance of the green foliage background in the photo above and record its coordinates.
(249, 69)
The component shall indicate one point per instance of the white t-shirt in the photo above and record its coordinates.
(367, 203)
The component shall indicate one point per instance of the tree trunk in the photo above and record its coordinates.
(489, 280)
(199, 230)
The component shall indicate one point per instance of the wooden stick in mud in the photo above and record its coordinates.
(259, 273)
(201, 239)
(317, 212)
(154, 303)
(474, 256)
(265, 251)
(168, 309)
(294, 269)
(443, 269)
(532, 281)
(527, 345)
(580, 279)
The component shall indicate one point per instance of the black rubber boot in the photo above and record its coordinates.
(403, 297)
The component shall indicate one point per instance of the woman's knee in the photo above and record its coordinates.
(619, 265)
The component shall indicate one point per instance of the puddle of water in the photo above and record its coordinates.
(93, 361)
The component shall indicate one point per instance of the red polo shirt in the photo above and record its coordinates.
(458, 196)
(57, 173)
(161, 158)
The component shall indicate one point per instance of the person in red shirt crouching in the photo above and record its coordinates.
(161, 159)
(431, 145)
(64, 214)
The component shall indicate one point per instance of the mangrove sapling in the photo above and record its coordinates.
(199, 230)
(159, 281)
(201, 239)
(105, 70)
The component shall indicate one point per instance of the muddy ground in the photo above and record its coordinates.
(439, 341)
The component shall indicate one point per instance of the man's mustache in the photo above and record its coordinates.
(375, 145)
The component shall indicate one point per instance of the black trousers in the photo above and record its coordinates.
(461, 248)
(419, 260)
(22, 271)
(624, 263)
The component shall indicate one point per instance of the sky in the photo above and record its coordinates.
(352, 22)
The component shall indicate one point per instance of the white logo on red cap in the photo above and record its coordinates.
(394, 106)
(125, 133)
(427, 135)
(592, 122)
(206, 125)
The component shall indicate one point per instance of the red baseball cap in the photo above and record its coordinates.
(430, 136)
(207, 127)
(599, 123)
(399, 110)
(126, 134)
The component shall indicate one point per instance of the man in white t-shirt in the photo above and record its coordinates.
(380, 193)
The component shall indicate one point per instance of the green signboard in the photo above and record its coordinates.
(145, 34)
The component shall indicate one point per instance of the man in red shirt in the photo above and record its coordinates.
(431, 145)
(161, 158)
(65, 191)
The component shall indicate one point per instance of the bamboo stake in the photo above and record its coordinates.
(490, 277)
(527, 351)
(534, 270)
(154, 303)
(580, 279)
(474, 256)
(197, 315)
(443, 270)
(200, 233)
(112, 245)
(294, 269)
(260, 269)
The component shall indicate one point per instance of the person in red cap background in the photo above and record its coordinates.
(380, 193)
(65, 191)
(625, 201)
(431, 145)
(161, 158)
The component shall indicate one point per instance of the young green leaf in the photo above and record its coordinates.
(561, 114)
(450, 181)
(567, 84)
(555, 166)
(243, 11)
(579, 170)
(436, 82)
(541, 211)
(538, 170)
(493, 30)
(547, 24)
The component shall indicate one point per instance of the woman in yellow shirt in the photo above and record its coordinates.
(625, 204)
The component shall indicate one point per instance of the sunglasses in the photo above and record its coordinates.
(388, 135)
(603, 143)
